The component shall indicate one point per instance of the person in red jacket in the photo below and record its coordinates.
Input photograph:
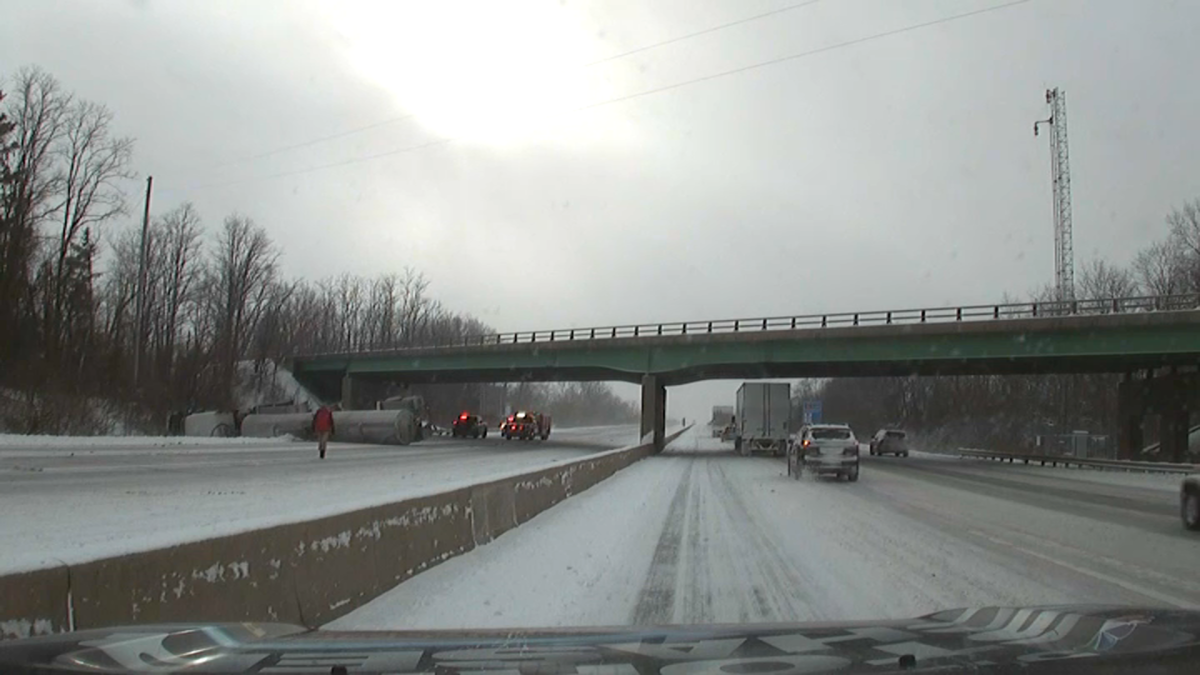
(322, 425)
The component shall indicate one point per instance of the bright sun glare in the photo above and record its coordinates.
(480, 70)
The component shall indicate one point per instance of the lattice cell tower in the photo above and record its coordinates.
(1060, 174)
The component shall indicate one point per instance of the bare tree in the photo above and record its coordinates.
(381, 332)
(350, 300)
(243, 273)
(178, 232)
(37, 110)
(94, 165)
(1185, 237)
(1159, 269)
(1102, 280)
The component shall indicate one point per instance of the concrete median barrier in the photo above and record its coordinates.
(309, 572)
(35, 603)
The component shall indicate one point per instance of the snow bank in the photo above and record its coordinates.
(134, 442)
(265, 381)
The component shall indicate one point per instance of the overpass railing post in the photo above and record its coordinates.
(856, 318)
(764, 324)
(922, 316)
(996, 312)
(889, 317)
(552, 336)
(958, 314)
(614, 331)
(572, 334)
(635, 331)
(593, 334)
(793, 323)
(736, 324)
(824, 321)
(710, 326)
(683, 329)
(1034, 309)
(660, 329)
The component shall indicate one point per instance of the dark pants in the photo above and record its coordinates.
(322, 439)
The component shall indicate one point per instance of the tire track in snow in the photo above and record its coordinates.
(778, 589)
(656, 600)
(698, 593)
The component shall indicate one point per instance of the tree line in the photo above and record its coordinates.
(79, 343)
(1012, 411)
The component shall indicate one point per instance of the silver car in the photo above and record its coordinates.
(890, 442)
(824, 449)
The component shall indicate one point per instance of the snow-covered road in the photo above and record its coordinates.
(68, 500)
(701, 535)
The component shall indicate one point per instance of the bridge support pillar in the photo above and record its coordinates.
(1173, 430)
(349, 391)
(654, 410)
(1171, 397)
(1131, 410)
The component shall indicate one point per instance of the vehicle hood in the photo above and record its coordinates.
(1068, 639)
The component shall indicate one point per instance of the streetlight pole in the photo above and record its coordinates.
(141, 290)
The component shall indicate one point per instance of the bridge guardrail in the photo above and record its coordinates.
(999, 312)
(1056, 460)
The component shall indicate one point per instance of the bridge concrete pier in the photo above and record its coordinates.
(358, 393)
(347, 392)
(1172, 398)
(654, 410)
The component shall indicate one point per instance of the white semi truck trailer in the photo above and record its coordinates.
(761, 417)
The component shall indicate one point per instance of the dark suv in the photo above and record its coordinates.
(469, 426)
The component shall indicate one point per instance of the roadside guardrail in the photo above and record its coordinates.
(1081, 462)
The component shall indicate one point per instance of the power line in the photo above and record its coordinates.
(316, 141)
(800, 55)
(401, 118)
(698, 33)
(648, 92)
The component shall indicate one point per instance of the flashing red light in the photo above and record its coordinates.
(462, 416)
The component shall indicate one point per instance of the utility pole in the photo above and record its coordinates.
(1060, 175)
(141, 290)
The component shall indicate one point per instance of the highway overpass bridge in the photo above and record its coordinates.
(1134, 336)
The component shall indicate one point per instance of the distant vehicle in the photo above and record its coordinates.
(890, 442)
(761, 417)
(825, 449)
(469, 426)
(526, 426)
(1189, 501)
(722, 415)
(727, 432)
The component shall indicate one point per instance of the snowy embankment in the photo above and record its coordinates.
(13, 442)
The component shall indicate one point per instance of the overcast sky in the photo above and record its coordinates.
(895, 172)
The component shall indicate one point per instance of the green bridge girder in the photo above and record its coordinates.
(1079, 343)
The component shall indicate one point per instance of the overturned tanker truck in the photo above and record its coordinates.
(398, 421)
